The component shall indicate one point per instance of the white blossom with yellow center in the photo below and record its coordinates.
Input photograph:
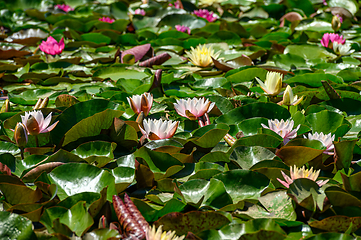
(297, 173)
(273, 83)
(202, 55)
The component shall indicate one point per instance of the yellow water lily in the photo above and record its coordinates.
(273, 83)
(202, 55)
(289, 99)
(152, 234)
(206, 3)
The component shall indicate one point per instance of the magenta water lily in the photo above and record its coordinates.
(64, 7)
(51, 46)
(107, 19)
(329, 38)
(204, 13)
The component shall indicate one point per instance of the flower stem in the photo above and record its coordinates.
(36, 141)
(22, 153)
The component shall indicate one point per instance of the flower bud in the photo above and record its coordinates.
(20, 135)
(336, 23)
(6, 106)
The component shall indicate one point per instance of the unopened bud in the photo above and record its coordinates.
(336, 23)
(20, 135)
(6, 106)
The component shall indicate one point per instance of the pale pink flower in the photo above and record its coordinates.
(183, 28)
(35, 123)
(193, 108)
(325, 139)
(51, 46)
(157, 129)
(282, 128)
(329, 38)
(107, 19)
(139, 12)
(141, 103)
(204, 13)
(64, 7)
(324, 2)
(176, 5)
(297, 173)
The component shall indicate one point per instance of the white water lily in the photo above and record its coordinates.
(193, 108)
(342, 49)
(159, 129)
(283, 128)
(273, 83)
(325, 139)
(153, 234)
(297, 173)
(289, 99)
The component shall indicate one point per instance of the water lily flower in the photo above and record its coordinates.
(51, 46)
(139, 12)
(289, 99)
(182, 28)
(158, 129)
(153, 234)
(273, 83)
(35, 123)
(141, 103)
(20, 135)
(209, 2)
(329, 38)
(204, 13)
(107, 19)
(64, 7)
(325, 139)
(202, 55)
(282, 128)
(297, 173)
(193, 108)
(342, 49)
(336, 22)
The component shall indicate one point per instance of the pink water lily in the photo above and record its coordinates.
(297, 173)
(107, 19)
(158, 129)
(328, 39)
(204, 13)
(139, 12)
(51, 46)
(35, 123)
(182, 28)
(141, 103)
(193, 108)
(327, 141)
(64, 7)
(283, 128)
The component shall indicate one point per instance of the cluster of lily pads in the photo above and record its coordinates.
(221, 119)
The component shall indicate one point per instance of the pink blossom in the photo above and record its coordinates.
(51, 46)
(182, 28)
(204, 13)
(193, 108)
(158, 129)
(64, 7)
(324, 2)
(35, 123)
(176, 5)
(107, 19)
(139, 12)
(333, 37)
